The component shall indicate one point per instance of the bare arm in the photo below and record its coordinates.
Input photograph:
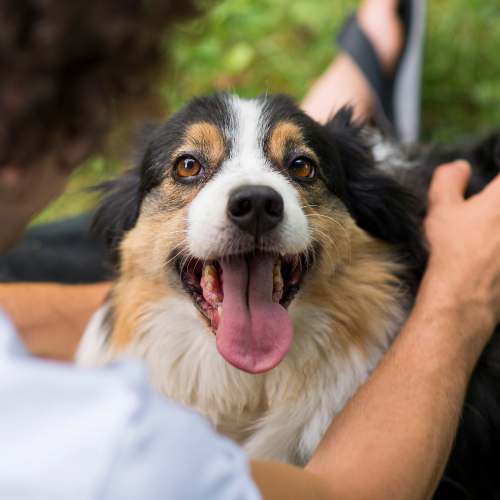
(393, 439)
(51, 318)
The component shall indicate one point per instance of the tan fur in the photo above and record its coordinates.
(355, 281)
(284, 137)
(205, 139)
(145, 251)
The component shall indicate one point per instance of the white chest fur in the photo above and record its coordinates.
(279, 415)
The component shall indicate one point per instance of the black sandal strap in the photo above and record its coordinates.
(355, 43)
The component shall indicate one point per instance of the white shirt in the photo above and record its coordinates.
(73, 433)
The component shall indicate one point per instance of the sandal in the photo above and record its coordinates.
(397, 99)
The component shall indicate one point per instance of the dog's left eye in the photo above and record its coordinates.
(302, 168)
(187, 167)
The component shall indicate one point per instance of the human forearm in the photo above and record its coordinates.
(394, 437)
(51, 318)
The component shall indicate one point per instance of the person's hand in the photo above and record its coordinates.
(464, 239)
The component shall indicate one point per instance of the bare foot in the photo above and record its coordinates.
(381, 23)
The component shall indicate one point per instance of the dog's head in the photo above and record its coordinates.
(236, 202)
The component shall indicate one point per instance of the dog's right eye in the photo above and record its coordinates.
(187, 167)
(302, 168)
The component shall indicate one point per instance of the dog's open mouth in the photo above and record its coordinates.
(245, 298)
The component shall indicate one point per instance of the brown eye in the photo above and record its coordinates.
(187, 167)
(302, 168)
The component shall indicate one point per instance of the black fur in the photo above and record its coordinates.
(390, 208)
(380, 204)
(118, 212)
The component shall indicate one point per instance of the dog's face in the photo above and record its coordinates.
(240, 203)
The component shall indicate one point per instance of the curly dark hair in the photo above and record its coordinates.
(70, 69)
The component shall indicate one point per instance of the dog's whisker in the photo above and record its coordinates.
(170, 260)
(184, 264)
(327, 252)
(343, 229)
(331, 241)
(186, 261)
(174, 257)
(169, 222)
(167, 255)
(155, 238)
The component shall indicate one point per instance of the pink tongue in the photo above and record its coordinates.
(255, 333)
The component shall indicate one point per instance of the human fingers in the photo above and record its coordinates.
(449, 182)
(492, 189)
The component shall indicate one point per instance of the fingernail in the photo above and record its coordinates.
(464, 164)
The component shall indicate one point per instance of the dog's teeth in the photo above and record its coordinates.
(275, 299)
(277, 287)
(210, 287)
(215, 298)
(219, 310)
(277, 279)
(276, 271)
(210, 273)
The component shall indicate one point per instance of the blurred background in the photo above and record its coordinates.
(255, 46)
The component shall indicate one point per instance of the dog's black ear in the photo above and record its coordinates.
(379, 204)
(118, 210)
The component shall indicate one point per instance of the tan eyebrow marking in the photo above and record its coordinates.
(206, 139)
(287, 136)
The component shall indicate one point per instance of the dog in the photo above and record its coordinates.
(265, 264)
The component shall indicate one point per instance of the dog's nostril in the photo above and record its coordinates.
(255, 209)
(240, 207)
(274, 206)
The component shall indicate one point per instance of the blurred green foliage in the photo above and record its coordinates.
(255, 46)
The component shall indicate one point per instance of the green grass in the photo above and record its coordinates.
(255, 46)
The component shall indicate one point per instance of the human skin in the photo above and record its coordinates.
(52, 318)
(24, 192)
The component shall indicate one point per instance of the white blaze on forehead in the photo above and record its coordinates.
(210, 233)
(246, 147)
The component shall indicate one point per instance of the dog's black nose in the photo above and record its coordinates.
(255, 209)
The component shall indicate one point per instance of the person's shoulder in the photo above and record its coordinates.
(61, 426)
(105, 433)
(178, 455)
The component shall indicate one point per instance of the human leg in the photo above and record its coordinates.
(344, 82)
